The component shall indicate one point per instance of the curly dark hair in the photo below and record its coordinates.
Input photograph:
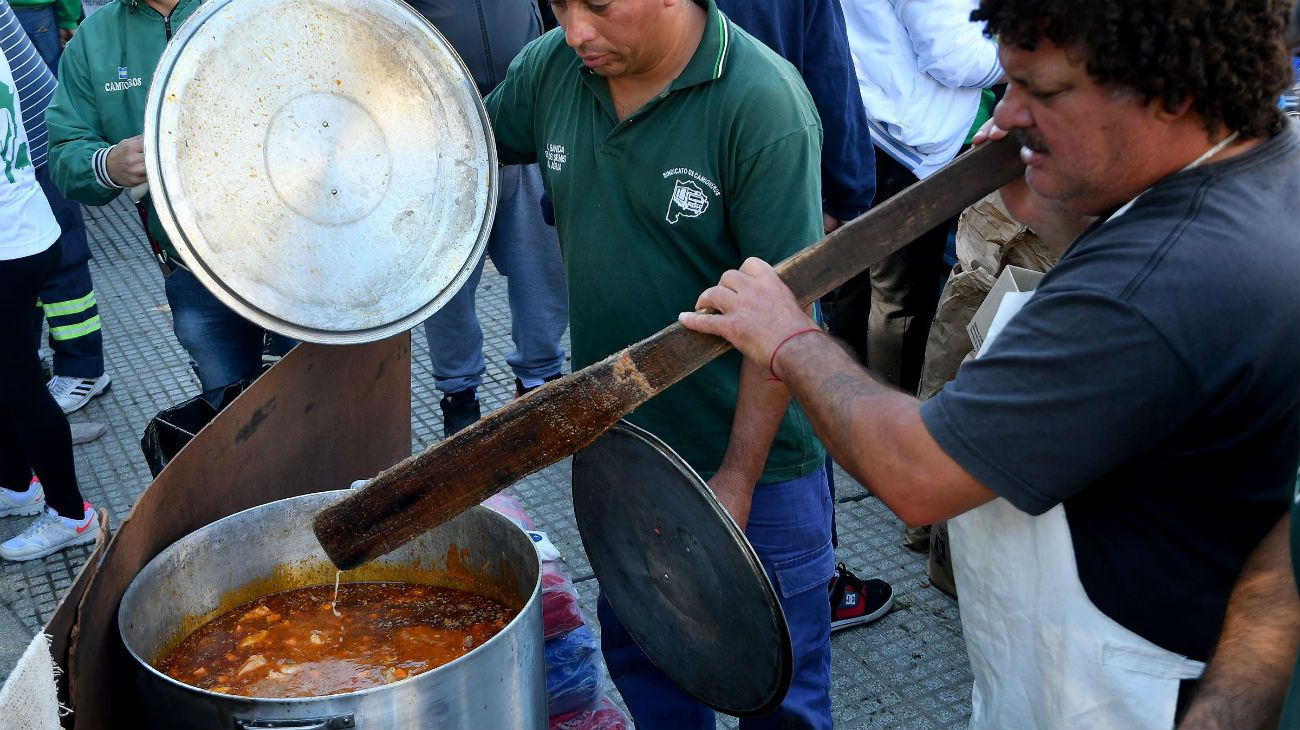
(1228, 56)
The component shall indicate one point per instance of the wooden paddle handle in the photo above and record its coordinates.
(560, 418)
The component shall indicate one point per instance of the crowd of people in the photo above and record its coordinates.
(1116, 466)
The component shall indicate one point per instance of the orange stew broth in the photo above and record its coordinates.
(292, 644)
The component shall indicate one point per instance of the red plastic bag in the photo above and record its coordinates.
(560, 611)
(605, 715)
(510, 507)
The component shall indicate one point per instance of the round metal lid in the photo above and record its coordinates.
(680, 574)
(324, 167)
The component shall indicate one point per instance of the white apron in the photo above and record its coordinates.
(1044, 657)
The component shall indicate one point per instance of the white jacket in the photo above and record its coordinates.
(921, 65)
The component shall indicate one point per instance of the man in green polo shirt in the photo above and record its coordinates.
(674, 145)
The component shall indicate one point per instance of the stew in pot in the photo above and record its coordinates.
(301, 643)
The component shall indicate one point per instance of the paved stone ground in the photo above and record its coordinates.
(908, 670)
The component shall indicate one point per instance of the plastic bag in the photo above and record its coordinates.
(573, 672)
(169, 431)
(560, 611)
(604, 716)
(510, 507)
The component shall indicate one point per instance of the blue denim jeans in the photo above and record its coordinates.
(223, 346)
(526, 251)
(790, 529)
(42, 26)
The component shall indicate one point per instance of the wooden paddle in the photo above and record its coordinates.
(563, 416)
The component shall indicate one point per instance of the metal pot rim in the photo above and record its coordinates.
(502, 635)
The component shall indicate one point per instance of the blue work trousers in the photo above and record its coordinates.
(223, 346)
(790, 529)
(526, 251)
(68, 297)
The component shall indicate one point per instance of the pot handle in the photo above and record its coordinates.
(337, 722)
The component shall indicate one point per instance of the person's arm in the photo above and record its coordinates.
(949, 47)
(873, 431)
(848, 161)
(78, 150)
(511, 107)
(1250, 670)
(760, 406)
(69, 14)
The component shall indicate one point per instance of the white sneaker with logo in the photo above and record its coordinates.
(31, 502)
(73, 393)
(51, 533)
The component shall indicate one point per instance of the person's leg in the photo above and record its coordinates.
(456, 340)
(653, 700)
(904, 295)
(224, 346)
(42, 26)
(790, 529)
(68, 297)
(38, 434)
(526, 251)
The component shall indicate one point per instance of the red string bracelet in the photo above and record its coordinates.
(772, 361)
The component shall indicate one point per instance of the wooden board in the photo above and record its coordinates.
(560, 418)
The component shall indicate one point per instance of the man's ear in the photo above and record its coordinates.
(1166, 113)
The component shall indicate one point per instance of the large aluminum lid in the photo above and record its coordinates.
(324, 167)
(679, 573)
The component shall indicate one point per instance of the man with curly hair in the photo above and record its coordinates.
(1113, 456)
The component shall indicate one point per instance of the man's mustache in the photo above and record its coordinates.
(1032, 140)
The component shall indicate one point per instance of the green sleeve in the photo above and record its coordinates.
(69, 13)
(510, 106)
(74, 136)
(776, 204)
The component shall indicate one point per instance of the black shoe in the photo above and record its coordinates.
(459, 411)
(520, 390)
(855, 601)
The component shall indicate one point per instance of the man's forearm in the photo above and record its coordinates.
(760, 406)
(1248, 675)
(875, 432)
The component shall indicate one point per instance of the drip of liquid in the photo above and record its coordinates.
(334, 602)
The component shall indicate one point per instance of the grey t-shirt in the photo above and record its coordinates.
(1152, 385)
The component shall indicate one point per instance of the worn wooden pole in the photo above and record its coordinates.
(563, 416)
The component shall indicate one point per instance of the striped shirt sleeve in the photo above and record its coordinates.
(33, 79)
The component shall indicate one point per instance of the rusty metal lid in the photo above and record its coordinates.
(324, 167)
(680, 574)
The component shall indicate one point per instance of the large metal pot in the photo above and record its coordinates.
(501, 684)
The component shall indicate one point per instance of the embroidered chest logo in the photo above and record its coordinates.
(556, 156)
(124, 81)
(690, 195)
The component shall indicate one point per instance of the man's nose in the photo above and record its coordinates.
(1012, 112)
(577, 29)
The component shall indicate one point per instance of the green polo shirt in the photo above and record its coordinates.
(722, 165)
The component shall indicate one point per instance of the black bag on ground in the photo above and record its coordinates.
(169, 431)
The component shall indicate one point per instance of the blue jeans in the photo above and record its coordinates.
(526, 251)
(42, 26)
(223, 346)
(790, 529)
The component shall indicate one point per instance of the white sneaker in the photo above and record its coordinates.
(73, 393)
(31, 502)
(51, 533)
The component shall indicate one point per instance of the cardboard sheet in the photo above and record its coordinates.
(322, 417)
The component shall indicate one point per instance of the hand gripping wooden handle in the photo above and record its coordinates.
(563, 416)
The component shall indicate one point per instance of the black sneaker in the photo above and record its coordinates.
(459, 411)
(855, 601)
(521, 391)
